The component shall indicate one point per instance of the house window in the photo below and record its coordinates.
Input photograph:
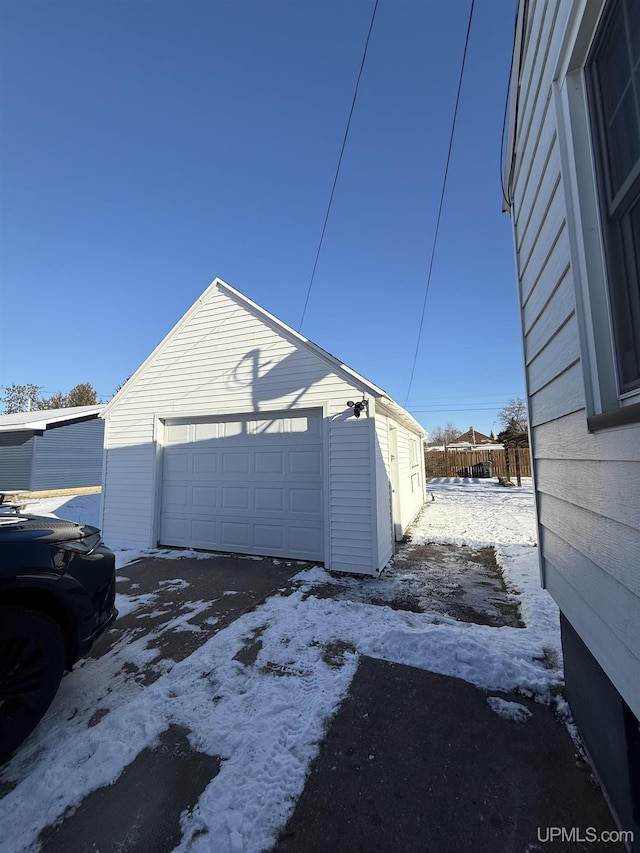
(613, 85)
(413, 453)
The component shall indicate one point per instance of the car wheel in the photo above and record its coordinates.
(32, 662)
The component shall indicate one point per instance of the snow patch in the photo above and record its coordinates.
(509, 710)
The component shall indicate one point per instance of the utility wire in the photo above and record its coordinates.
(444, 186)
(507, 198)
(335, 180)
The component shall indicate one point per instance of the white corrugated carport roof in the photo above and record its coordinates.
(46, 419)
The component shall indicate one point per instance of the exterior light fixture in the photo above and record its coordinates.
(358, 407)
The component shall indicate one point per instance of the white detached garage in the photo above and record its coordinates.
(236, 435)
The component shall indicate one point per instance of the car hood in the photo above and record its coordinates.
(39, 528)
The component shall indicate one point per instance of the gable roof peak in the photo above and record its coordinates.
(219, 285)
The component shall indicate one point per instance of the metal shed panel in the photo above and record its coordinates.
(16, 452)
(68, 457)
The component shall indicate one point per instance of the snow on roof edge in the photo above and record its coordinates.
(41, 419)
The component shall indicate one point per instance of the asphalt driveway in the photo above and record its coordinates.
(411, 760)
(210, 592)
(168, 609)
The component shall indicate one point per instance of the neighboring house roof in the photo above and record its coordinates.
(472, 436)
(342, 369)
(39, 421)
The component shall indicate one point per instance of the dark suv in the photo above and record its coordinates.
(57, 594)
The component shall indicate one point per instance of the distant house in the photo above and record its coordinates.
(472, 439)
(572, 185)
(239, 434)
(53, 449)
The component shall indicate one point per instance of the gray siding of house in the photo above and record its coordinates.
(587, 485)
(16, 452)
(68, 457)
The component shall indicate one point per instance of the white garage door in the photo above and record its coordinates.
(252, 485)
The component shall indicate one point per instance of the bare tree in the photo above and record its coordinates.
(451, 432)
(25, 398)
(56, 401)
(444, 435)
(436, 436)
(21, 398)
(513, 416)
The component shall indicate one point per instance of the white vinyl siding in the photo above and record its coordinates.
(411, 482)
(587, 486)
(350, 495)
(383, 490)
(128, 498)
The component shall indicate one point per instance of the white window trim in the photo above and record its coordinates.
(577, 158)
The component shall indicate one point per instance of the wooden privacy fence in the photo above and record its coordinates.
(447, 463)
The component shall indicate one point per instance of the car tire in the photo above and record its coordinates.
(32, 662)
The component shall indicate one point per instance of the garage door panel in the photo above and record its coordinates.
(235, 534)
(305, 462)
(203, 534)
(269, 536)
(235, 497)
(177, 530)
(305, 500)
(204, 497)
(269, 499)
(236, 463)
(232, 429)
(176, 497)
(306, 540)
(247, 485)
(176, 462)
(268, 426)
(177, 434)
(206, 431)
(204, 463)
(269, 463)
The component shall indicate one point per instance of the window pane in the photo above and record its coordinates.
(625, 298)
(633, 18)
(623, 141)
(612, 64)
(614, 75)
(619, 95)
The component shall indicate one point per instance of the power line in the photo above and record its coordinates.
(444, 186)
(507, 199)
(335, 180)
(434, 410)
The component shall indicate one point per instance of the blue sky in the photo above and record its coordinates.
(149, 146)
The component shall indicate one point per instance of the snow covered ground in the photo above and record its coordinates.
(265, 718)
